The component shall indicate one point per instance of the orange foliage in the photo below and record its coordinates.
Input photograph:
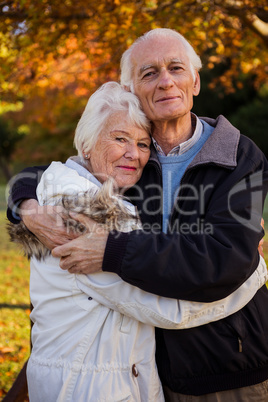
(53, 54)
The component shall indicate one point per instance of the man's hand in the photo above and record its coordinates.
(46, 223)
(260, 248)
(84, 254)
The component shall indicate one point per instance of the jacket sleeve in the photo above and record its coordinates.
(203, 266)
(22, 187)
(108, 289)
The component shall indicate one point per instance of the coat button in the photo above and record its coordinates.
(135, 371)
(89, 298)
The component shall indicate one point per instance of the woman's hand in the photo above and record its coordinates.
(46, 223)
(84, 254)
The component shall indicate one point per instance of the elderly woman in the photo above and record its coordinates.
(89, 343)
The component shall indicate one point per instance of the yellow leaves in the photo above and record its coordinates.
(42, 83)
(7, 53)
(62, 50)
(10, 107)
(73, 46)
(213, 60)
(220, 48)
(201, 35)
(3, 51)
(221, 29)
(81, 92)
(6, 349)
(152, 4)
(246, 67)
(23, 129)
(71, 43)
(256, 62)
(197, 22)
(112, 28)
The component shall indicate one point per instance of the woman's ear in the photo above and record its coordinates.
(127, 88)
(86, 155)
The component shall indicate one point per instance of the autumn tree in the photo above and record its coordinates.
(54, 53)
(9, 137)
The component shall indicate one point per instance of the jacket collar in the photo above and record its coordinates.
(220, 148)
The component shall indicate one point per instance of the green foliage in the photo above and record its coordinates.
(9, 137)
(252, 121)
(213, 100)
(2, 200)
(246, 107)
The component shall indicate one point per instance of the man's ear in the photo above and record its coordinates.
(197, 84)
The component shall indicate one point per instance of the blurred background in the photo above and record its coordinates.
(55, 53)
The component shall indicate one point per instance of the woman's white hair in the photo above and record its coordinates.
(111, 97)
(126, 62)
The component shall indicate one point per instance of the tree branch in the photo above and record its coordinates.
(258, 26)
(246, 16)
(21, 16)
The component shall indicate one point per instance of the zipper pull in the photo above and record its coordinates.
(240, 345)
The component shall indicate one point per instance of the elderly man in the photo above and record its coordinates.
(200, 199)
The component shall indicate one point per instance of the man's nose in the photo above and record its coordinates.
(165, 80)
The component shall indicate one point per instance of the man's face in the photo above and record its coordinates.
(163, 80)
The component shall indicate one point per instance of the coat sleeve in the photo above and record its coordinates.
(203, 266)
(108, 289)
(22, 187)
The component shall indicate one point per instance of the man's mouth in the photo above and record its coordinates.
(167, 98)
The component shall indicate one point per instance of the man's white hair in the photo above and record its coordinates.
(126, 61)
(111, 97)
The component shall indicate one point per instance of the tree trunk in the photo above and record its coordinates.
(5, 168)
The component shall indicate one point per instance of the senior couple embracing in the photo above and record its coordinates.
(156, 310)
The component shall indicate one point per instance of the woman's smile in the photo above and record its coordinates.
(131, 168)
(121, 152)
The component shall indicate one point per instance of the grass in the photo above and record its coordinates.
(14, 307)
(14, 303)
(2, 197)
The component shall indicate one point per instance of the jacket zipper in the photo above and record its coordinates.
(239, 339)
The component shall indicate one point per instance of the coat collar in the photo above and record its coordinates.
(220, 148)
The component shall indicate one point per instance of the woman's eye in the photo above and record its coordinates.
(120, 139)
(143, 145)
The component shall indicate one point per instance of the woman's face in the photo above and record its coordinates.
(121, 151)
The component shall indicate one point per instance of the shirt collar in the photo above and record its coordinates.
(184, 146)
(75, 162)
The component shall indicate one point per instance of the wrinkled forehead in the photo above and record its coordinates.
(157, 51)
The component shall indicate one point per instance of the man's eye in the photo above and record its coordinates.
(149, 74)
(176, 68)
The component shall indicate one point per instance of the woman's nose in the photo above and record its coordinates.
(165, 80)
(132, 152)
